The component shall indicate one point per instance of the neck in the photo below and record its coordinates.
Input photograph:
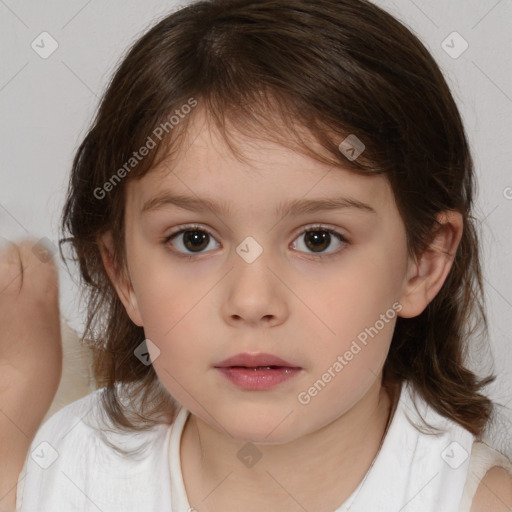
(319, 471)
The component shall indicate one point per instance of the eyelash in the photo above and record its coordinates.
(196, 227)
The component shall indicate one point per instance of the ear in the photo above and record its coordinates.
(119, 279)
(426, 275)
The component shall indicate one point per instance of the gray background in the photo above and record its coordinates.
(47, 105)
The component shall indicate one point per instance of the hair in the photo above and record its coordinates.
(327, 68)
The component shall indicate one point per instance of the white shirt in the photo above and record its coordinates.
(70, 467)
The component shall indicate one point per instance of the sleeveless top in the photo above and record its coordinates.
(70, 466)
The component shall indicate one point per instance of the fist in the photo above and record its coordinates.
(30, 340)
(30, 354)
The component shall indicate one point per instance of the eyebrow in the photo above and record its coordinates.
(294, 207)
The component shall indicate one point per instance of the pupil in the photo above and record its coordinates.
(196, 240)
(320, 240)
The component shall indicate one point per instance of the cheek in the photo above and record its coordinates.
(182, 342)
(176, 312)
(171, 314)
(359, 293)
(358, 308)
(185, 352)
(167, 290)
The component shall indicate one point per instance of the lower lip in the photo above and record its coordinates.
(247, 378)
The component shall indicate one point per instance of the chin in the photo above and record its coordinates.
(264, 428)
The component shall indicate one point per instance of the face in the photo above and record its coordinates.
(318, 288)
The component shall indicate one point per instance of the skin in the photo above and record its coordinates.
(494, 494)
(30, 356)
(290, 301)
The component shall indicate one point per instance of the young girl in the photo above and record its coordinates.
(272, 217)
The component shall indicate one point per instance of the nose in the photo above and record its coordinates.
(254, 294)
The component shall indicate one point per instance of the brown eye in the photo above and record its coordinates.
(195, 240)
(318, 239)
(190, 241)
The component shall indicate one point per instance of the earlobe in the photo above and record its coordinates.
(427, 274)
(119, 280)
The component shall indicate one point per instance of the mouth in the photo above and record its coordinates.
(257, 372)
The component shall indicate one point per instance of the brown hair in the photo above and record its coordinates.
(334, 68)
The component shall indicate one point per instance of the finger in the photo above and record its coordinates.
(11, 270)
(41, 276)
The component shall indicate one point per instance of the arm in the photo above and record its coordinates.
(30, 356)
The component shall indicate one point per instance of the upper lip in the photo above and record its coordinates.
(253, 360)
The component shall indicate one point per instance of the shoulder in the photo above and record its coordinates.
(494, 494)
(61, 441)
(85, 422)
(491, 471)
(78, 461)
(68, 431)
(63, 422)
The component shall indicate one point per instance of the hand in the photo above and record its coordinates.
(30, 355)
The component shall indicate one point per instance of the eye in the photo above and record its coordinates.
(196, 240)
(318, 238)
(191, 238)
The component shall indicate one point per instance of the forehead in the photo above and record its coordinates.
(262, 173)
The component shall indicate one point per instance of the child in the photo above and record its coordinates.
(272, 216)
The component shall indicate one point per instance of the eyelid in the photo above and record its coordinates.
(324, 227)
(190, 227)
(309, 227)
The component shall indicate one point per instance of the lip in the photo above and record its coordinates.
(249, 372)
(254, 360)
